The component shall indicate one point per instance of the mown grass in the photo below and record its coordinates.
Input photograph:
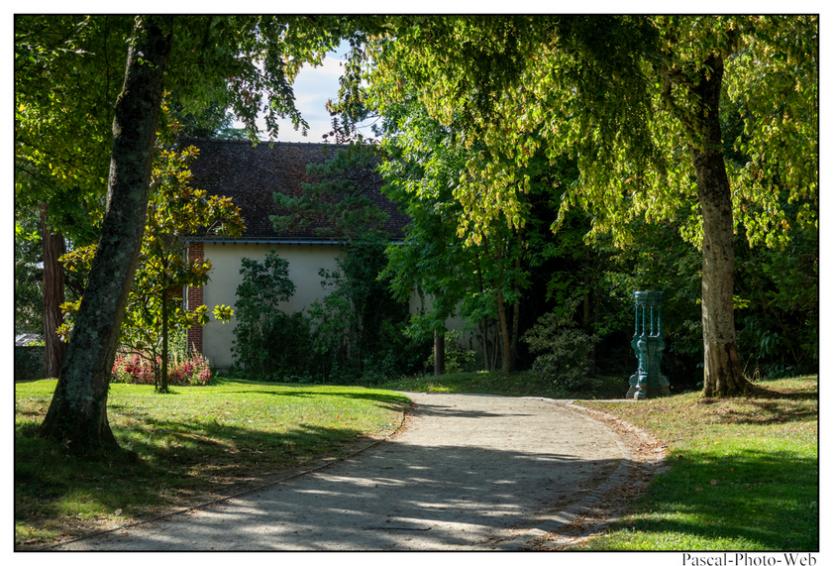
(742, 473)
(520, 384)
(183, 448)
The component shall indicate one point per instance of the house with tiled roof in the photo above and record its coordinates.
(250, 175)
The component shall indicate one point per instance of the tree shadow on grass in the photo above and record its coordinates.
(767, 499)
(162, 463)
(768, 413)
(385, 400)
(396, 402)
(766, 407)
(762, 392)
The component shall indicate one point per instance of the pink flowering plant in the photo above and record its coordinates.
(190, 369)
(133, 368)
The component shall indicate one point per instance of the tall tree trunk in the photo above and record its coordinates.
(53, 295)
(505, 339)
(77, 416)
(439, 352)
(722, 373)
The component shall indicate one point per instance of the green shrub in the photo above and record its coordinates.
(29, 362)
(563, 351)
(268, 342)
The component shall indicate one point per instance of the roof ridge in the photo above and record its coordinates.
(259, 142)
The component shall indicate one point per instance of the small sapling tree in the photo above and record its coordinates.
(176, 211)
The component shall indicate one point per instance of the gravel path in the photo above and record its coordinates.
(467, 472)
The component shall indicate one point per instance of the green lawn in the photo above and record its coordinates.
(515, 384)
(743, 474)
(186, 447)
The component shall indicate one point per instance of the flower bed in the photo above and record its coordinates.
(133, 368)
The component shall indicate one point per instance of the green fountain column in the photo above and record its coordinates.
(648, 345)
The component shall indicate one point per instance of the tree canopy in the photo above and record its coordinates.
(707, 122)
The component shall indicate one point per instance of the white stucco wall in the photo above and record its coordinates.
(305, 261)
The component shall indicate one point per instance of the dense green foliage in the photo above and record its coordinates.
(268, 342)
(28, 295)
(459, 355)
(358, 328)
(480, 283)
(207, 63)
(590, 89)
(778, 311)
(587, 282)
(29, 362)
(563, 353)
(68, 70)
(486, 119)
(545, 163)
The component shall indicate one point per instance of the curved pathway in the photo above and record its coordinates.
(467, 472)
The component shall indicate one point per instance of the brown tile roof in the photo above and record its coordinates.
(250, 175)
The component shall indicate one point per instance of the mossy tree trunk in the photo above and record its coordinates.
(77, 416)
(722, 373)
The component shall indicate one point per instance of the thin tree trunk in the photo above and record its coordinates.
(163, 388)
(53, 295)
(439, 352)
(494, 338)
(77, 416)
(505, 340)
(484, 342)
(587, 320)
(585, 311)
(485, 332)
(722, 372)
(516, 306)
(516, 322)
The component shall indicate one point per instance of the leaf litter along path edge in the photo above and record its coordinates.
(467, 472)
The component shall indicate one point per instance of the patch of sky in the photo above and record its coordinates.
(313, 86)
